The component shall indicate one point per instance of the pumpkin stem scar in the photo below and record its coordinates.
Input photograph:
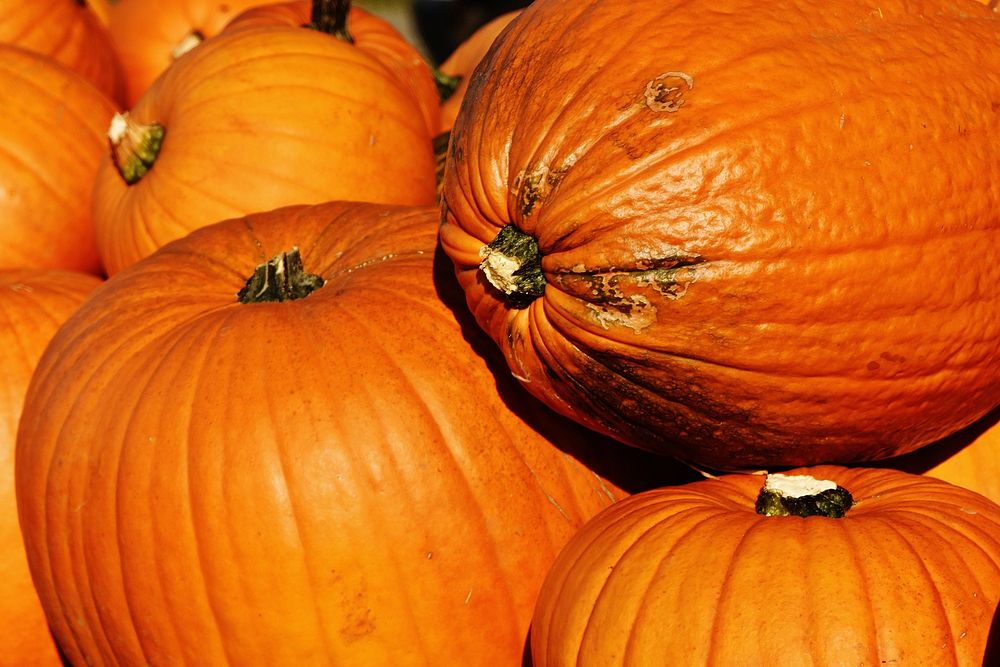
(134, 146)
(281, 278)
(666, 92)
(330, 17)
(512, 262)
(802, 495)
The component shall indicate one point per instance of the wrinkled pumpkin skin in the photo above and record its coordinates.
(52, 137)
(33, 303)
(338, 479)
(692, 575)
(771, 242)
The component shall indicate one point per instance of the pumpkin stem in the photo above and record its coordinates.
(281, 278)
(512, 263)
(134, 147)
(190, 40)
(802, 495)
(446, 83)
(330, 17)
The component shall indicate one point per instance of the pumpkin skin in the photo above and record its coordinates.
(735, 268)
(260, 118)
(148, 33)
(462, 62)
(337, 479)
(692, 575)
(374, 36)
(67, 31)
(33, 303)
(52, 125)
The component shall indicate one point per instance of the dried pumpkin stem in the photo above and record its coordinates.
(188, 43)
(446, 84)
(281, 278)
(512, 262)
(802, 495)
(134, 146)
(330, 17)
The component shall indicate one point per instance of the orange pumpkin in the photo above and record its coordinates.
(52, 125)
(251, 120)
(68, 31)
(149, 35)
(336, 478)
(33, 303)
(463, 61)
(969, 458)
(714, 238)
(694, 575)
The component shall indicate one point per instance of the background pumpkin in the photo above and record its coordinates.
(68, 31)
(259, 118)
(33, 303)
(693, 575)
(149, 35)
(725, 258)
(338, 478)
(52, 136)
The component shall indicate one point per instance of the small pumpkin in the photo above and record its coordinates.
(827, 566)
(52, 125)
(253, 119)
(306, 462)
(149, 35)
(458, 67)
(33, 303)
(680, 238)
(68, 31)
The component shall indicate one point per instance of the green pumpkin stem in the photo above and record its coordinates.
(446, 83)
(330, 17)
(512, 262)
(134, 146)
(281, 278)
(802, 495)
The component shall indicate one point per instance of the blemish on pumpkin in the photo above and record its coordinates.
(895, 358)
(534, 186)
(634, 312)
(873, 366)
(665, 93)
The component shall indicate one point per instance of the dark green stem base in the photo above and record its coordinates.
(831, 503)
(330, 17)
(512, 263)
(281, 278)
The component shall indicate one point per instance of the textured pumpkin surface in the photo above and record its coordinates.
(375, 37)
(463, 61)
(692, 575)
(260, 118)
(738, 215)
(33, 303)
(149, 35)
(968, 458)
(52, 125)
(336, 479)
(67, 31)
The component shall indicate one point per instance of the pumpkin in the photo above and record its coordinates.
(969, 458)
(208, 474)
(33, 303)
(251, 120)
(373, 35)
(52, 126)
(149, 35)
(714, 238)
(743, 570)
(68, 31)
(458, 67)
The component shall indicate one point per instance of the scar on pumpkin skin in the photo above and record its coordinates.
(532, 187)
(665, 93)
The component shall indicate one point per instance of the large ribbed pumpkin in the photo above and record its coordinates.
(149, 35)
(52, 137)
(748, 234)
(717, 573)
(68, 31)
(332, 479)
(33, 303)
(254, 119)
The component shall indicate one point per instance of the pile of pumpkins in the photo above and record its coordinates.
(638, 332)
